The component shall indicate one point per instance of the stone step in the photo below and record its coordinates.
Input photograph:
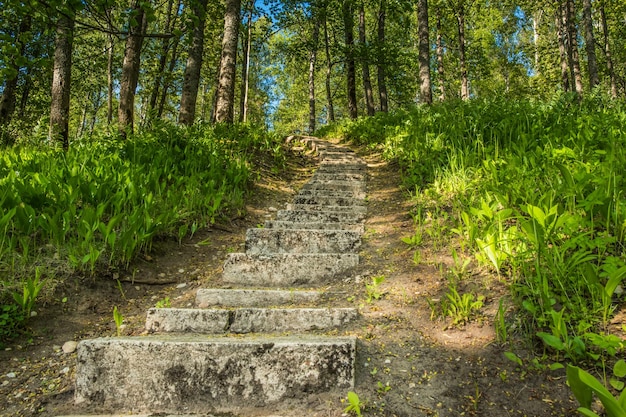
(331, 193)
(306, 216)
(343, 165)
(197, 374)
(335, 186)
(317, 207)
(285, 269)
(329, 201)
(246, 320)
(339, 176)
(211, 297)
(268, 241)
(282, 225)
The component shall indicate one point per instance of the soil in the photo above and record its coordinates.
(408, 363)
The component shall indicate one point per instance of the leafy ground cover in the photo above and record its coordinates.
(95, 208)
(532, 193)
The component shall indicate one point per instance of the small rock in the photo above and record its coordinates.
(137, 287)
(181, 270)
(5, 383)
(33, 313)
(183, 285)
(11, 375)
(387, 360)
(56, 348)
(272, 209)
(69, 347)
(65, 370)
(412, 385)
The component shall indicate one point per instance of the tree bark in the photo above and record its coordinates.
(61, 82)
(607, 52)
(245, 69)
(460, 16)
(590, 45)
(329, 71)
(226, 87)
(166, 45)
(312, 63)
(380, 65)
(367, 82)
(130, 71)
(167, 82)
(561, 38)
(572, 47)
(536, 22)
(191, 79)
(440, 68)
(8, 99)
(348, 21)
(426, 94)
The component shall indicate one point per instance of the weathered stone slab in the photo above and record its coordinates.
(286, 269)
(335, 186)
(207, 297)
(328, 201)
(329, 164)
(268, 241)
(247, 320)
(319, 216)
(282, 225)
(339, 176)
(318, 207)
(166, 374)
(330, 193)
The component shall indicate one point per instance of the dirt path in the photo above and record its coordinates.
(407, 364)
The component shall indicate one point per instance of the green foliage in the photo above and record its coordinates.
(12, 319)
(30, 290)
(584, 386)
(105, 201)
(164, 303)
(534, 190)
(355, 404)
(373, 290)
(118, 318)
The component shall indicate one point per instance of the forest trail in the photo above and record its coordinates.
(405, 364)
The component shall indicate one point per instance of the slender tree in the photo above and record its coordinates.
(572, 47)
(224, 107)
(460, 18)
(61, 81)
(380, 61)
(590, 45)
(365, 65)
(130, 69)
(426, 94)
(8, 98)
(561, 39)
(329, 68)
(245, 68)
(607, 51)
(312, 64)
(191, 79)
(348, 22)
(440, 52)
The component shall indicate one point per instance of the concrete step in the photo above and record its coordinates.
(282, 225)
(246, 320)
(317, 207)
(213, 297)
(306, 216)
(331, 193)
(343, 165)
(285, 269)
(339, 176)
(268, 241)
(335, 186)
(197, 374)
(329, 201)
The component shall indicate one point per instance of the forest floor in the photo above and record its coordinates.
(407, 363)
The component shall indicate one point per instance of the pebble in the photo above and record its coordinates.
(272, 209)
(137, 287)
(181, 270)
(387, 360)
(11, 375)
(33, 314)
(5, 383)
(183, 285)
(65, 370)
(69, 347)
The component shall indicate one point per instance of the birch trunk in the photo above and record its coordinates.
(348, 21)
(380, 65)
(590, 45)
(426, 94)
(224, 107)
(367, 82)
(61, 83)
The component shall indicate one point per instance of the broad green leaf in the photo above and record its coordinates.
(551, 340)
(619, 370)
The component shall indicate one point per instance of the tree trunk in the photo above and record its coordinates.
(110, 58)
(460, 16)
(590, 45)
(440, 52)
(228, 64)
(348, 21)
(572, 47)
(130, 71)
(426, 94)
(245, 70)
(607, 52)
(329, 71)
(167, 82)
(367, 82)
(312, 62)
(536, 22)
(166, 45)
(561, 37)
(380, 65)
(61, 82)
(191, 80)
(8, 99)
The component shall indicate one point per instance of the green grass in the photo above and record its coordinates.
(536, 194)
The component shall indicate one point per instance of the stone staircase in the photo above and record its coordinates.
(248, 347)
